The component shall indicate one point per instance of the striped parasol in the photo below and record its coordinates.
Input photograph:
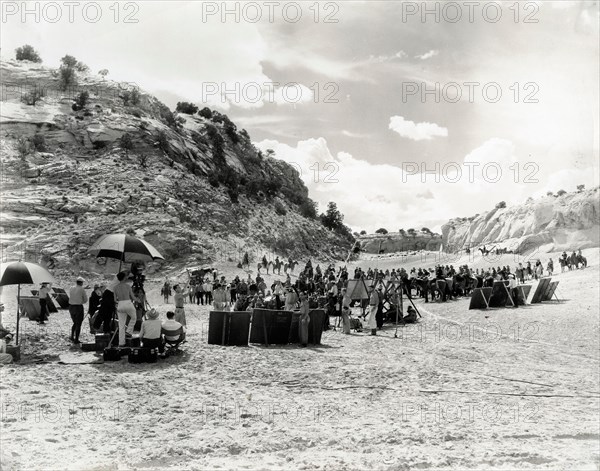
(124, 248)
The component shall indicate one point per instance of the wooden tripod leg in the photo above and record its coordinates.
(508, 294)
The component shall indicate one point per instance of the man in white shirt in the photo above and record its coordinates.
(172, 330)
(77, 299)
(125, 308)
(513, 290)
(150, 333)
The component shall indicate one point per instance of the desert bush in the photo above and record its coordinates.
(185, 107)
(205, 112)
(501, 205)
(23, 147)
(81, 100)
(143, 160)
(163, 141)
(69, 61)
(280, 209)
(27, 53)
(33, 96)
(39, 142)
(561, 192)
(67, 77)
(308, 209)
(126, 142)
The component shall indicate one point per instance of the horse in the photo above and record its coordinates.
(277, 266)
(291, 265)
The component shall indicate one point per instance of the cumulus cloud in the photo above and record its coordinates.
(380, 195)
(416, 131)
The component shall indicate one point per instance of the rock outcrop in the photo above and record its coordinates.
(194, 187)
(396, 242)
(551, 223)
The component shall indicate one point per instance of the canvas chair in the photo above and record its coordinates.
(173, 339)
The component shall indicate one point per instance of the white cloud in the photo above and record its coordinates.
(416, 131)
(384, 58)
(427, 55)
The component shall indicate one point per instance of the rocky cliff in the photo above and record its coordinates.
(552, 223)
(194, 186)
(396, 242)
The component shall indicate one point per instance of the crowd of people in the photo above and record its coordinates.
(119, 309)
(122, 307)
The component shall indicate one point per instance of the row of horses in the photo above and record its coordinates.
(276, 266)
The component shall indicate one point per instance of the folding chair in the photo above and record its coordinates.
(172, 346)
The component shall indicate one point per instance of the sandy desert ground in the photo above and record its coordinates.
(499, 389)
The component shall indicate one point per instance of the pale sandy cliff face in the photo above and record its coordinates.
(395, 242)
(551, 223)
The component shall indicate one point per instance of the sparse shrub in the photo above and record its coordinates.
(363, 232)
(561, 192)
(27, 53)
(143, 160)
(39, 142)
(23, 147)
(135, 97)
(381, 230)
(33, 96)
(69, 61)
(126, 143)
(67, 77)
(103, 73)
(131, 97)
(549, 193)
(80, 101)
(308, 209)
(213, 180)
(280, 209)
(205, 112)
(187, 108)
(163, 141)
(580, 188)
(501, 205)
(136, 112)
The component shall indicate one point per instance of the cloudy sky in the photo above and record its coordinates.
(403, 117)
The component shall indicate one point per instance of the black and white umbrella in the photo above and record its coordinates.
(23, 273)
(124, 248)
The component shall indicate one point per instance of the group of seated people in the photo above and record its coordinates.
(155, 333)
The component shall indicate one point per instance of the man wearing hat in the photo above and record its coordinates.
(150, 333)
(373, 306)
(43, 294)
(77, 299)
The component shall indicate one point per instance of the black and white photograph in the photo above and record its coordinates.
(300, 235)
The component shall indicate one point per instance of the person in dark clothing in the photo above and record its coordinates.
(107, 309)
(94, 304)
(379, 314)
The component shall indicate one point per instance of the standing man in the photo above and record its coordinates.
(220, 298)
(125, 298)
(77, 298)
(373, 306)
(207, 290)
(43, 298)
